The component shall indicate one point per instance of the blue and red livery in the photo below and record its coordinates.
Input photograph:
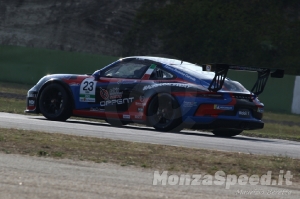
(166, 94)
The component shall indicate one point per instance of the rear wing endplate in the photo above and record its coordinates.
(221, 71)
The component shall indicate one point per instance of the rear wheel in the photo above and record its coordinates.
(164, 113)
(54, 103)
(226, 132)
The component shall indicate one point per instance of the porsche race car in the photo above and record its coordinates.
(166, 94)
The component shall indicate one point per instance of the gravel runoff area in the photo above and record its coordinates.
(34, 177)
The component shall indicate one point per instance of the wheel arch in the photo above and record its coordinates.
(154, 94)
(151, 93)
(63, 84)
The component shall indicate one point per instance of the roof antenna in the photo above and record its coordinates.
(181, 62)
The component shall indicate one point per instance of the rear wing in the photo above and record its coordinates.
(221, 71)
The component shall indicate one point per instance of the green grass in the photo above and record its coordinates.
(28, 65)
(279, 131)
(12, 105)
(279, 126)
(281, 117)
(14, 88)
(124, 153)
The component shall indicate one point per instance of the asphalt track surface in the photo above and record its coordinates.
(191, 139)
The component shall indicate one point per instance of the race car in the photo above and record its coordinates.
(167, 94)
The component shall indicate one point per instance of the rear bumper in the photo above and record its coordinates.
(232, 124)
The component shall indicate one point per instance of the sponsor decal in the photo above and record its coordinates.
(113, 93)
(142, 98)
(189, 104)
(31, 102)
(87, 90)
(126, 116)
(244, 113)
(104, 94)
(138, 117)
(242, 96)
(97, 109)
(140, 104)
(140, 109)
(74, 84)
(224, 107)
(165, 84)
(208, 67)
(117, 101)
(180, 72)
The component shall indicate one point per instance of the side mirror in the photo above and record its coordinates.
(97, 74)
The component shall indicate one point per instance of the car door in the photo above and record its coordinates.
(118, 85)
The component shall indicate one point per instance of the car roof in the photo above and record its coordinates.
(187, 67)
(168, 61)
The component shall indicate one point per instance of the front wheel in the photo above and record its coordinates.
(226, 132)
(54, 103)
(164, 113)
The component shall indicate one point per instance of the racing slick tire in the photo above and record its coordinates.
(54, 103)
(164, 113)
(226, 132)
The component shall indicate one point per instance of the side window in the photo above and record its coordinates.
(130, 69)
(158, 73)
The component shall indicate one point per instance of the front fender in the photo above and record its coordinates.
(58, 81)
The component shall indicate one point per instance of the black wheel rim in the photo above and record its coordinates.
(163, 112)
(52, 101)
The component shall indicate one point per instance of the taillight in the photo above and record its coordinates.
(260, 109)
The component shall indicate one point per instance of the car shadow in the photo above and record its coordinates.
(209, 134)
(182, 132)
